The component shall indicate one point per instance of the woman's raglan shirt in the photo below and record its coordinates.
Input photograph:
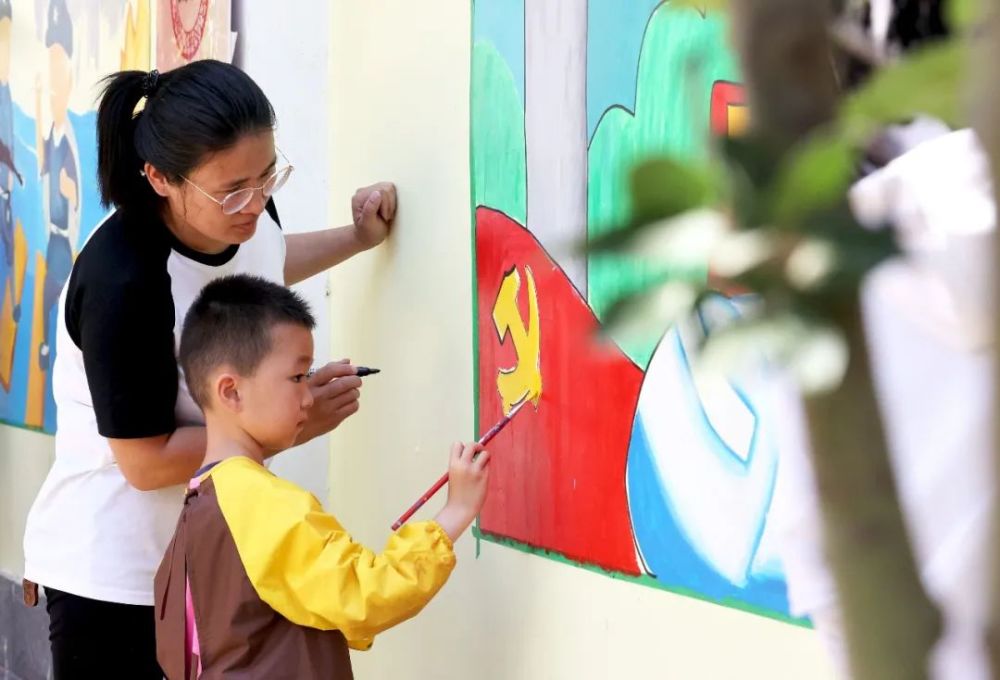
(116, 376)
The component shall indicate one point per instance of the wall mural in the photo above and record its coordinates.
(625, 463)
(53, 54)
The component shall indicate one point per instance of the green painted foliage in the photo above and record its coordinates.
(683, 54)
(498, 162)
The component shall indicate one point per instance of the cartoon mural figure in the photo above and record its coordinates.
(629, 463)
(11, 238)
(8, 169)
(49, 197)
(188, 30)
(136, 52)
(59, 168)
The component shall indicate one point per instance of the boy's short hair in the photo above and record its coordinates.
(230, 323)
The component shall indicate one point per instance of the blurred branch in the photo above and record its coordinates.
(985, 113)
(889, 622)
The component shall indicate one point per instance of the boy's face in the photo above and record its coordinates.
(275, 400)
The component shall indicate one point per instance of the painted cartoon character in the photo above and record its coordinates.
(8, 170)
(59, 168)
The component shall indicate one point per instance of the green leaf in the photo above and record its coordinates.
(814, 354)
(929, 82)
(856, 250)
(751, 164)
(663, 187)
(643, 316)
(814, 177)
(961, 14)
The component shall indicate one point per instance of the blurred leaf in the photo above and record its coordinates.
(644, 316)
(663, 187)
(741, 252)
(961, 14)
(929, 82)
(815, 176)
(811, 263)
(751, 165)
(858, 249)
(684, 241)
(814, 354)
(750, 155)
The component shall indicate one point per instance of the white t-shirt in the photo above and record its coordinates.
(89, 532)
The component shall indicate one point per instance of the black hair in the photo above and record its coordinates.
(191, 112)
(230, 323)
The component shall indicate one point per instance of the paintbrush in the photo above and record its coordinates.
(483, 441)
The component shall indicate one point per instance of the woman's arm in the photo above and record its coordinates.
(316, 251)
(150, 463)
(307, 254)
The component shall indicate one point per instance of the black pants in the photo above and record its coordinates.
(95, 639)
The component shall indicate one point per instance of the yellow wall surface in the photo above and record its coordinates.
(400, 111)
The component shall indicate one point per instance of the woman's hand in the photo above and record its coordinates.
(336, 390)
(373, 209)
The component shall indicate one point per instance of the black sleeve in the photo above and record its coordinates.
(125, 330)
(272, 210)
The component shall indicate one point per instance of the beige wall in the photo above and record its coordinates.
(400, 111)
(25, 458)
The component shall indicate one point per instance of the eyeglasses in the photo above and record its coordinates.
(235, 201)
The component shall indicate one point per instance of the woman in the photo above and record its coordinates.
(191, 178)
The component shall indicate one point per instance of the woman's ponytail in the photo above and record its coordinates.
(118, 164)
(191, 112)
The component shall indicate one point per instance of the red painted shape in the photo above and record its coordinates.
(724, 95)
(557, 474)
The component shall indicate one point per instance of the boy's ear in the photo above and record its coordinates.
(227, 392)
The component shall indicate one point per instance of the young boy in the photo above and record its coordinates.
(258, 581)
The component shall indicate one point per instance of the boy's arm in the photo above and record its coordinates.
(306, 567)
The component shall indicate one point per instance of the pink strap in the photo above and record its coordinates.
(192, 648)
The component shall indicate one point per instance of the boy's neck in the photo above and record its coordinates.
(228, 440)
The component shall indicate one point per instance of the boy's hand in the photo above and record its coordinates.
(468, 478)
(336, 390)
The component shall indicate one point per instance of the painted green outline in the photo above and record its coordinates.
(645, 580)
(472, 248)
